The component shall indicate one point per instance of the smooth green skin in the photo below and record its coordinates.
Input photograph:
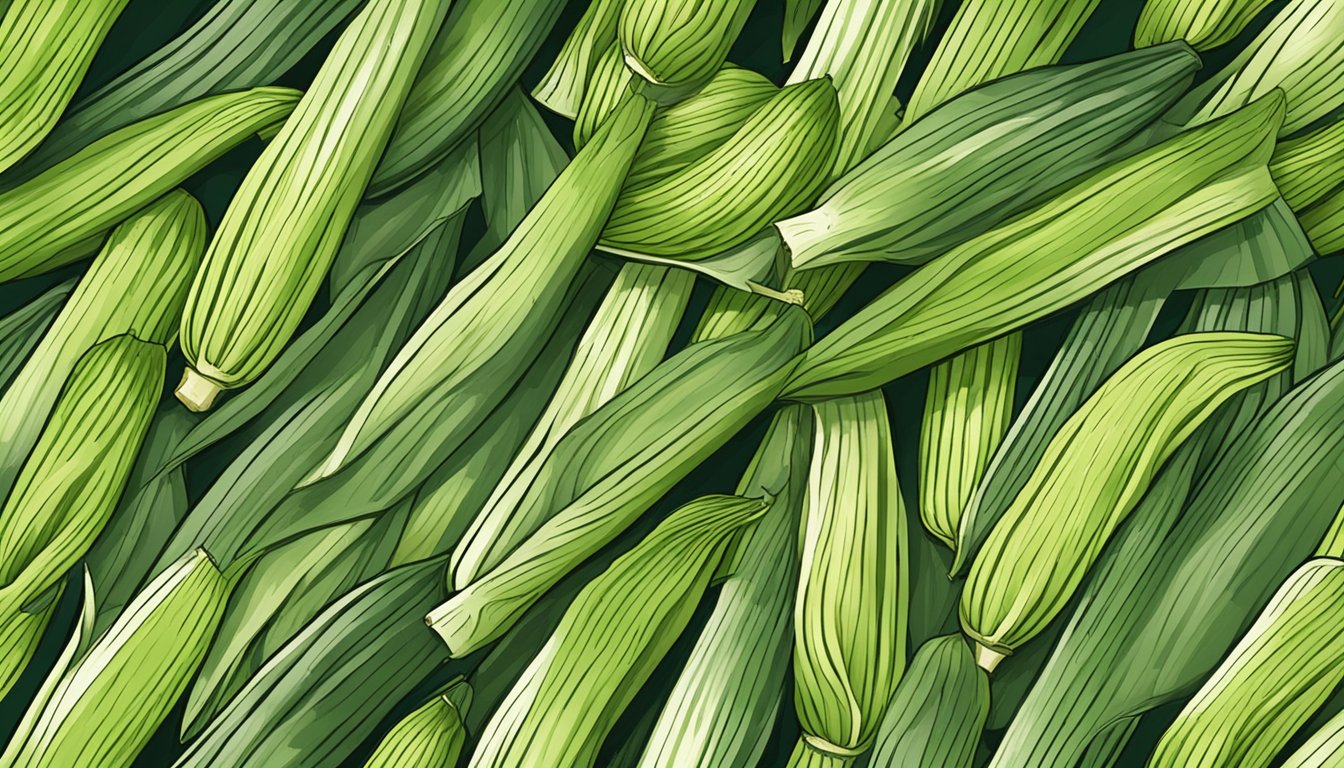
(610, 639)
(1204, 24)
(284, 225)
(47, 46)
(1095, 470)
(1280, 672)
(851, 612)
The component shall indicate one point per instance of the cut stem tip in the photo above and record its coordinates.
(196, 391)
(987, 658)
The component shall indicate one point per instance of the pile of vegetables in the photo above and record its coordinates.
(519, 383)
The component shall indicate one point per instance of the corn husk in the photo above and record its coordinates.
(967, 411)
(504, 307)
(282, 229)
(1204, 24)
(63, 214)
(47, 46)
(940, 182)
(1281, 671)
(235, 45)
(1300, 52)
(1092, 474)
(726, 699)
(22, 329)
(329, 687)
(1259, 508)
(1310, 167)
(432, 735)
(771, 167)
(853, 593)
(611, 466)
(562, 88)
(1150, 203)
(610, 639)
(136, 286)
(146, 656)
(475, 59)
(937, 712)
(676, 46)
(625, 340)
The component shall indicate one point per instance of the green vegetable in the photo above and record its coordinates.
(1259, 510)
(1280, 672)
(678, 45)
(732, 689)
(1323, 749)
(612, 465)
(328, 687)
(967, 411)
(1298, 53)
(1136, 210)
(941, 181)
(564, 85)
(432, 735)
(992, 38)
(1308, 168)
(625, 340)
(482, 335)
(937, 712)
(47, 46)
(135, 287)
(1092, 474)
(772, 166)
(853, 593)
(63, 214)
(22, 329)
(236, 44)
(282, 228)
(610, 639)
(76, 472)
(477, 56)
(81, 716)
(1204, 24)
